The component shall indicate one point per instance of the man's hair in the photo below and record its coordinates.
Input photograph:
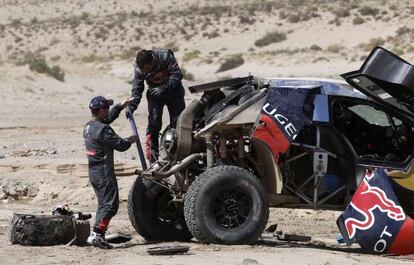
(144, 57)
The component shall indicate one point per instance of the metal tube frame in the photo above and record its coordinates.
(210, 150)
(315, 201)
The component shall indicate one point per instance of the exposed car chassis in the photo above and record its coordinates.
(249, 144)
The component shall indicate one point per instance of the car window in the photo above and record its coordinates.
(370, 114)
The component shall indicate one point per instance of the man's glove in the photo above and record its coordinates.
(157, 91)
(133, 138)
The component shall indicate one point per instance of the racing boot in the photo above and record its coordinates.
(98, 240)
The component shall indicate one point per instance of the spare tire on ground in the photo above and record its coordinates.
(48, 230)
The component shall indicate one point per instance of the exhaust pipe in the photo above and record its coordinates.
(156, 176)
(182, 164)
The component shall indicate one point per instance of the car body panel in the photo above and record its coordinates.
(375, 218)
(225, 119)
(272, 177)
(404, 178)
(331, 87)
(281, 118)
(321, 112)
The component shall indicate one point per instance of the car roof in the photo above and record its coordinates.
(333, 87)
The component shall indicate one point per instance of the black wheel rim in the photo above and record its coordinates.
(230, 208)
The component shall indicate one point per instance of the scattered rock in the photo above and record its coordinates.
(249, 262)
(17, 192)
(35, 152)
(2, 156)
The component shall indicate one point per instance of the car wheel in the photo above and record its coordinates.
(156, 219)
(226, 205)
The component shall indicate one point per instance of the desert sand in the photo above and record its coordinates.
(42, 160)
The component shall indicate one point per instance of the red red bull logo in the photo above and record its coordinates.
(370, 198)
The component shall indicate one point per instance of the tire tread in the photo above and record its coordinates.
(190, 203)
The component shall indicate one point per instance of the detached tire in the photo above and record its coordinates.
(155, 219)
(226, 205)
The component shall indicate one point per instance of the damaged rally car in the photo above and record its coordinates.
(249, 144)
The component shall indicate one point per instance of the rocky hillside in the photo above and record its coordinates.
(212, 39)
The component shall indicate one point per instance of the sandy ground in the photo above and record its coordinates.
(42, 161)
(319, 251)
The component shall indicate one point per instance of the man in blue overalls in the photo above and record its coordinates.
(100, 142)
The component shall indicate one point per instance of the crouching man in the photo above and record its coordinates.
(100, 142)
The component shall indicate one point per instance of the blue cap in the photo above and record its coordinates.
(99, 102)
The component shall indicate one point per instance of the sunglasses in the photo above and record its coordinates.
(105, 107)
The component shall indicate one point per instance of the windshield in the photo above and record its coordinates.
(370, 115)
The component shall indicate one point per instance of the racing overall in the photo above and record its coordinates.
(100, 142)
(166, 73)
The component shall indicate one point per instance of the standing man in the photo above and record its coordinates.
(100, 142)
(159, 68)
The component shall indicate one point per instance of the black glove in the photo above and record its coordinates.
(157, 91)
(133, 138)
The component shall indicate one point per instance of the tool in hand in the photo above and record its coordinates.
(135, 132)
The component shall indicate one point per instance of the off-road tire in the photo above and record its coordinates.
(144, 217)
(208, 189)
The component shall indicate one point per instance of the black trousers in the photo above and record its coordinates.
(105, 185)
(175, 105)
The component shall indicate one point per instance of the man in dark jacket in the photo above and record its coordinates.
(159, 68)
(100, 142)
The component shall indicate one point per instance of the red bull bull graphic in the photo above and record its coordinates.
(373, 198)
(375, 219)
